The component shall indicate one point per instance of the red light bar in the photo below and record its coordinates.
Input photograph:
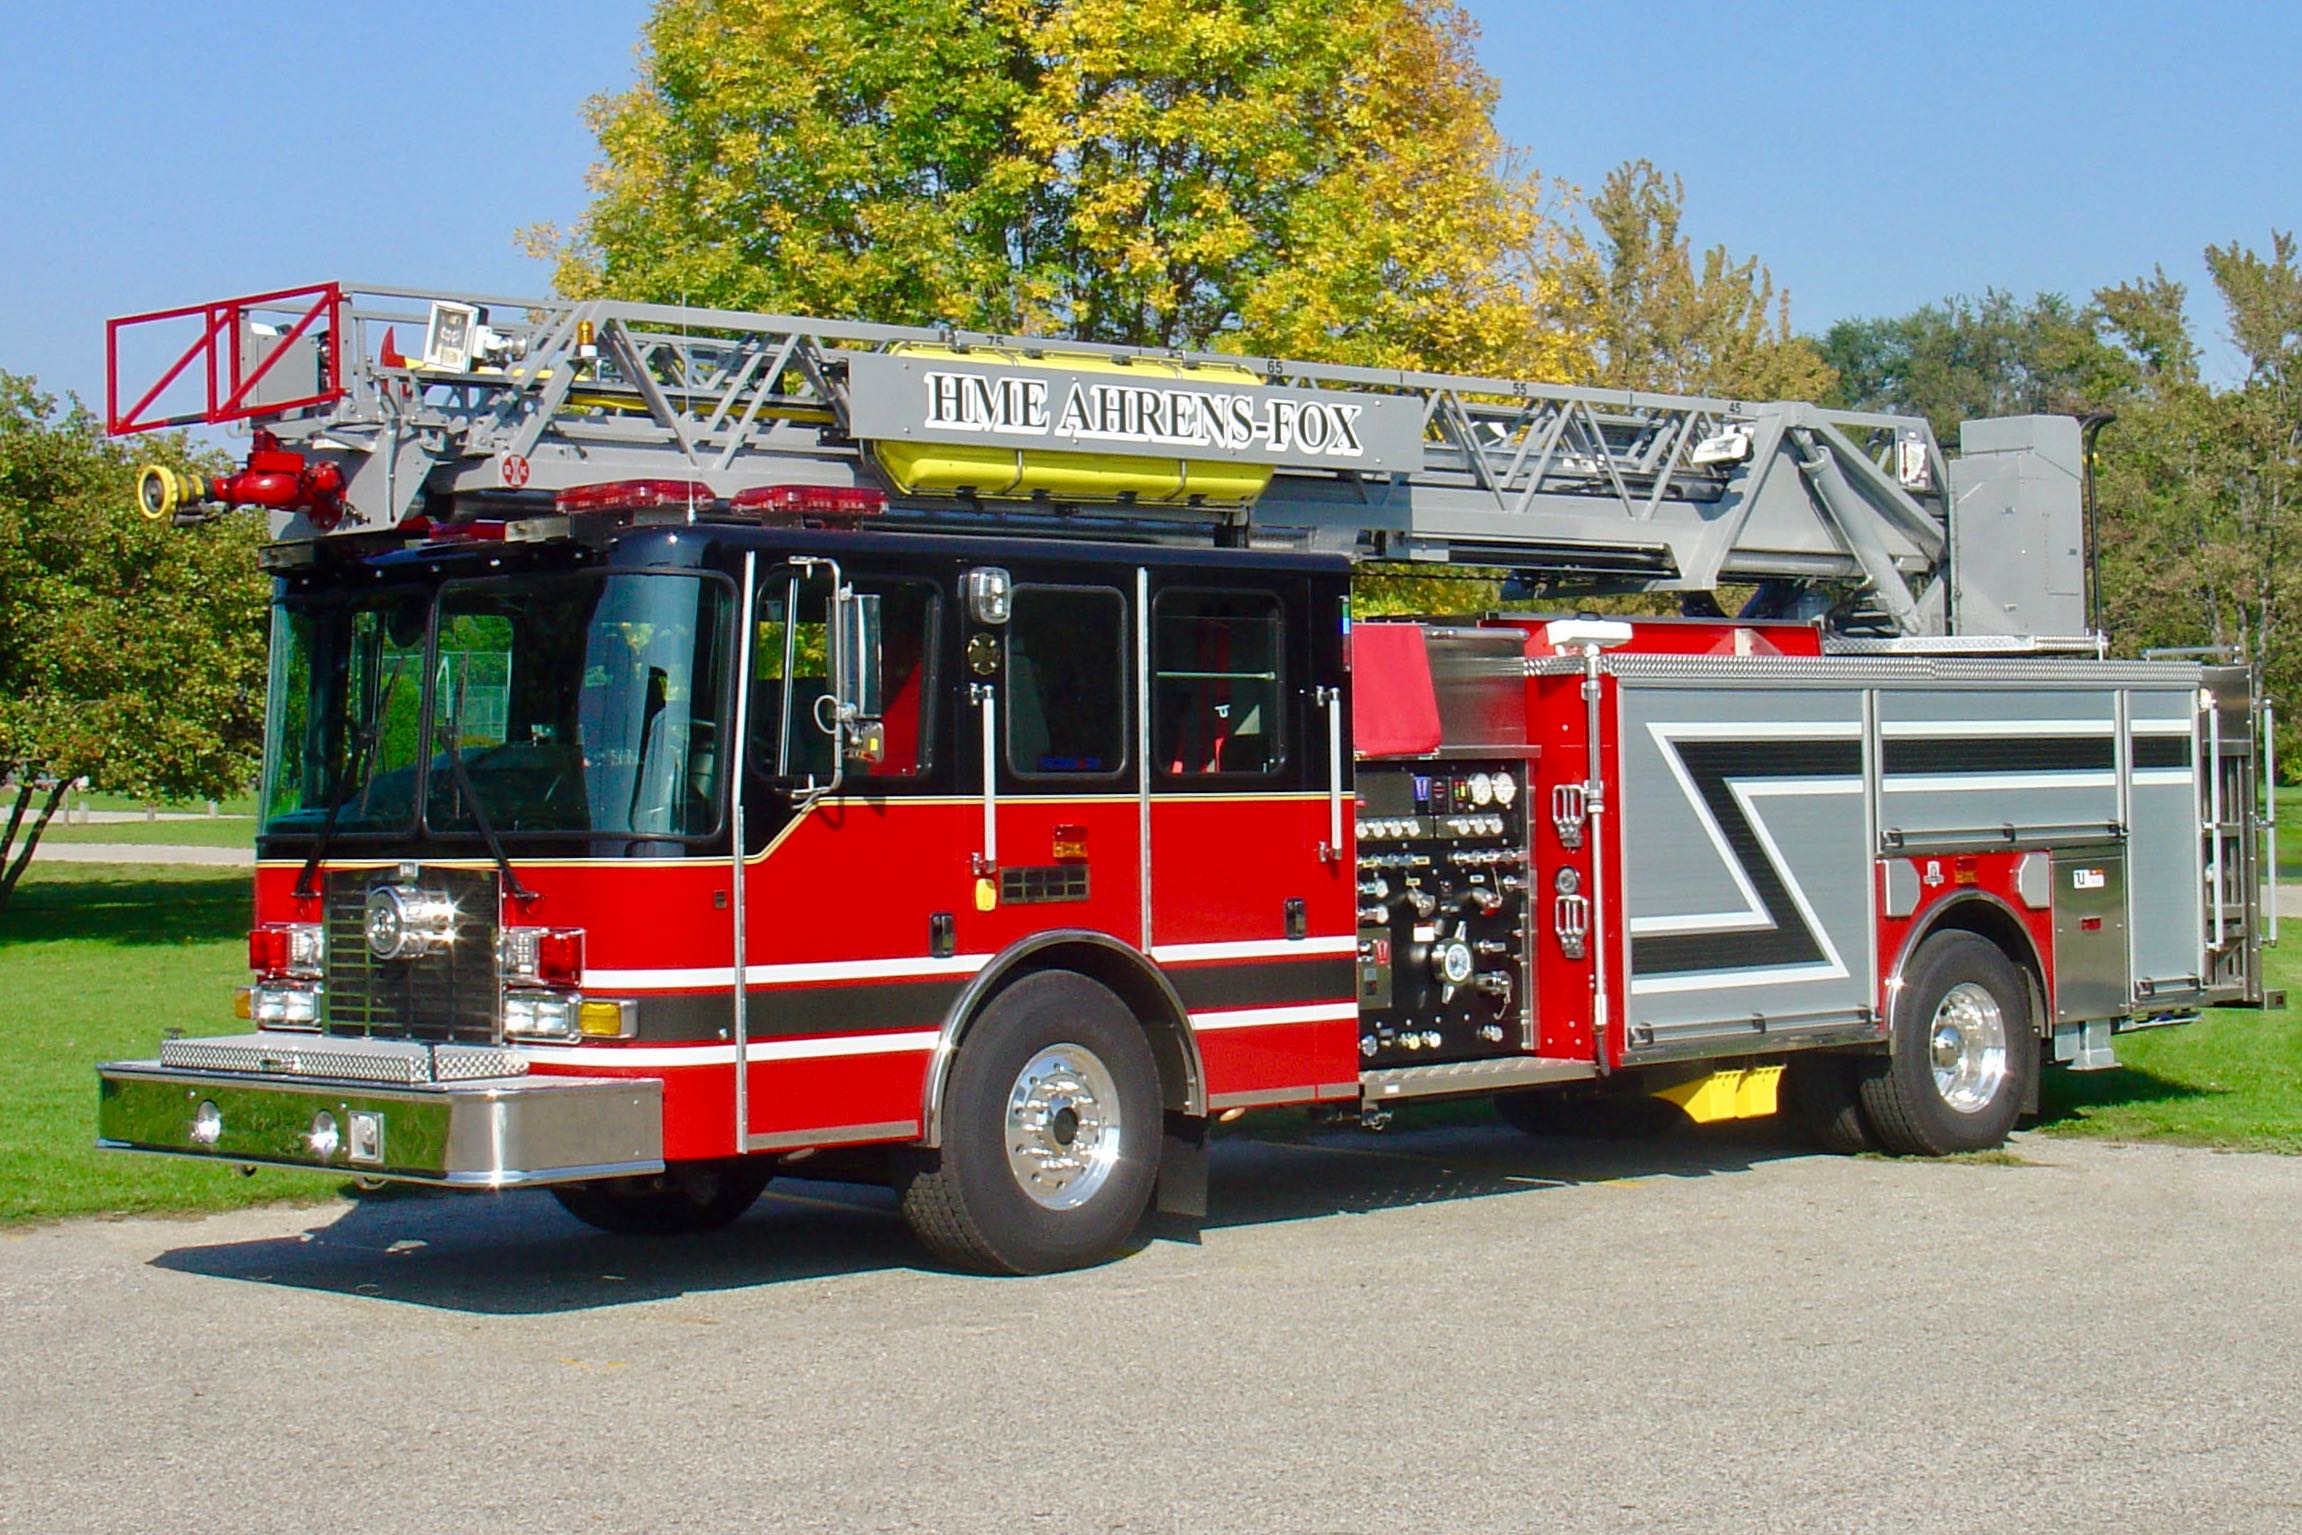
(634, 496)
(810, 501)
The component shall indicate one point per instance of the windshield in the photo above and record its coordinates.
(585, 705)
(345, 713)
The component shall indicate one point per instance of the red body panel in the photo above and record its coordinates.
(1961, 876)
(848, 998)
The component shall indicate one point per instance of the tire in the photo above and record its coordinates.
(685, 1197)
(1961, 1053)
(1822, 1095)
(1055, 1063)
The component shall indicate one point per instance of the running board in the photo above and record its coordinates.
(1471, 1077)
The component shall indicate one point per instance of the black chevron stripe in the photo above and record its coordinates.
(1786, 940)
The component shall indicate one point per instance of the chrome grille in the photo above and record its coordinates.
(451, 995)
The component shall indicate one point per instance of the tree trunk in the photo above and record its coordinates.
(15, 865)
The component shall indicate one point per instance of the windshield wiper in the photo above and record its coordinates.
(355, 781)
(471, 796)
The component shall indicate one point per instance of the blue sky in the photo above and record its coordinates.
(1874, 156)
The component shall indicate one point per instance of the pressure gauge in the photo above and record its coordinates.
(1506, 789)
(1482, 789)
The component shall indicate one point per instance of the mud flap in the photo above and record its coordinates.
(1182, 1190)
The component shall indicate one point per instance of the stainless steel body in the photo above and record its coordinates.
(2093, 975)
(1760, 796)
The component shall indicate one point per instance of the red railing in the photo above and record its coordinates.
(229, 377)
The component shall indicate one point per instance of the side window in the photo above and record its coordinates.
(908, 613)
(790, 675)
(1066, 682)
(1216, 698)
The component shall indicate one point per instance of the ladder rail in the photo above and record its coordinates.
(1573, 481)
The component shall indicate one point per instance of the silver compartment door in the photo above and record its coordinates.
(2166, 885)
(1747, 852)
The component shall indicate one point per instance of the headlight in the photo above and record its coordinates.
(285, 1005)
(541, 1014)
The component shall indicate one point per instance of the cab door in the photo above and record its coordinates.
(1249, 908)
(852, 862)
(1051, 658)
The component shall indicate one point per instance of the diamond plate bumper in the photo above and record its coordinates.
(503, 1132)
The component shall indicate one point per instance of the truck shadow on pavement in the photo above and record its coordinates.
(520, 1254)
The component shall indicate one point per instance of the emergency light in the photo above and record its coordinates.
(633, 496)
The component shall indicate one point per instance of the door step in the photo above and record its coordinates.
(1470, 1077)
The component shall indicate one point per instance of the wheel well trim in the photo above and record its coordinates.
(1029, 955)
(2028, 960)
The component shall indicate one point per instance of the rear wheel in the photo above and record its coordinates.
(687, 1196)
(1051, 1130)
(1823, 1095)
(1961, 1053)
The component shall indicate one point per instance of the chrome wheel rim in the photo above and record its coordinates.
(1966, 1047)
(1065, 1129)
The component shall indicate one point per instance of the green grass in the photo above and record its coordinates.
(2233, 1079)
(96, 960)
(204, 831)
(2289, 803)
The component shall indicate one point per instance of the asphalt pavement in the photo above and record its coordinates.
(1448, 1329)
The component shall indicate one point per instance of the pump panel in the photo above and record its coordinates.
(1443, 877)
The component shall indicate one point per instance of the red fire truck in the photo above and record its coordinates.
(705, 744)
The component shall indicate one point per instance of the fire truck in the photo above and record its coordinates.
(703, 745)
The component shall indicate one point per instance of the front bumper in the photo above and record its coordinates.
(491, 1133)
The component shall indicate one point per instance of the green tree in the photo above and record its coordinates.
(1652, 317)
(1967, 358)
(2201, 486)
(1310, 178)
(131, 652)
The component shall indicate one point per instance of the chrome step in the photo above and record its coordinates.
(1471, 1077)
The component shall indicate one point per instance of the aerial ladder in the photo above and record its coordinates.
(384, 411)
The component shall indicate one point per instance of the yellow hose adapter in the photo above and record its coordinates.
(162, 492)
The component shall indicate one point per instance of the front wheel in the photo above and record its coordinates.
(1051, 1130)
(1961, 1054)
(687, 1196)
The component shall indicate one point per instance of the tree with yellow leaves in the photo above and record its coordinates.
(1318, 179)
